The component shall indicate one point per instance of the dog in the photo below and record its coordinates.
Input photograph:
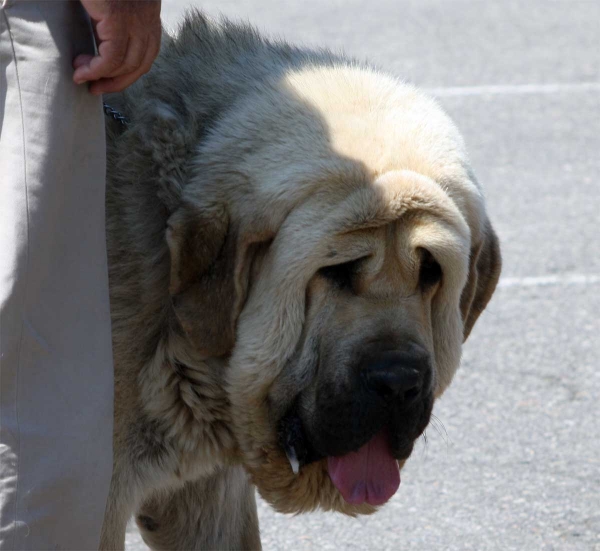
(298, 249)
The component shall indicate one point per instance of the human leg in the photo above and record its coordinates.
(56, 360)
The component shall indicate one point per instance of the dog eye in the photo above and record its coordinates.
(341, 275)
(430, 273)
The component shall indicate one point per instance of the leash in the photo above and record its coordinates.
(114, 114)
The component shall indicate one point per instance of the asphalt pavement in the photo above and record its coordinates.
(513, 461)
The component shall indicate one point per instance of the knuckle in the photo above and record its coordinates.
(119, 59)
(129, 67)
(114, 64)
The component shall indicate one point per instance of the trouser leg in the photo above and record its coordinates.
(56, 363)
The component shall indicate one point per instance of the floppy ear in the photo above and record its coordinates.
(484, 272)
(202, 285)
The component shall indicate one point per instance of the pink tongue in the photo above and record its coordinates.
(370, 474)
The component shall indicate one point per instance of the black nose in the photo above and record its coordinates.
(398, 373)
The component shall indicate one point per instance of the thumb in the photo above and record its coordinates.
(81, 60)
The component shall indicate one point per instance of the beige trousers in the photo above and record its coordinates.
(56, 385)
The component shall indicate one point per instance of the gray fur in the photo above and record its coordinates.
(201, 73)
(185, 220)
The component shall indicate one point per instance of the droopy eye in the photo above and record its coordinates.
(430, 273)
(341, 274)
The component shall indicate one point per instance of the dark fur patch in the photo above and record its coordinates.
(147, 523)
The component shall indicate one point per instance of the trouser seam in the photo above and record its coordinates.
(20, 340)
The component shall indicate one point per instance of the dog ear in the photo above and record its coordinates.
(202, 282)
(484, 272)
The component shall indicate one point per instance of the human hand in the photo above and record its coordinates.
(128, 39)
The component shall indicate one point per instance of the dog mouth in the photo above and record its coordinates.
(369, 474)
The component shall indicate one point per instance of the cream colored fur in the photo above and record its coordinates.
(246, 168)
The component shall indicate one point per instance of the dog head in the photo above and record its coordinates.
(335, 247)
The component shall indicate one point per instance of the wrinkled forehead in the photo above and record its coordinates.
(327, 229)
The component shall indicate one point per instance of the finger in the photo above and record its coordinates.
(119, 83)
(111, 54)
(151, 53)
(82, 59)
(136, 52)
(112, 84)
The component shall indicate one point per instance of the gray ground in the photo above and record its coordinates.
(517, 465)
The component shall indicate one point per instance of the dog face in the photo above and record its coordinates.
(365, 363)
(340, 255)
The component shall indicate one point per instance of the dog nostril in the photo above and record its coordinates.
(404, 382)
(412, 393)
(396, 374)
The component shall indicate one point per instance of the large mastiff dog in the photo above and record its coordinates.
(298, 249)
